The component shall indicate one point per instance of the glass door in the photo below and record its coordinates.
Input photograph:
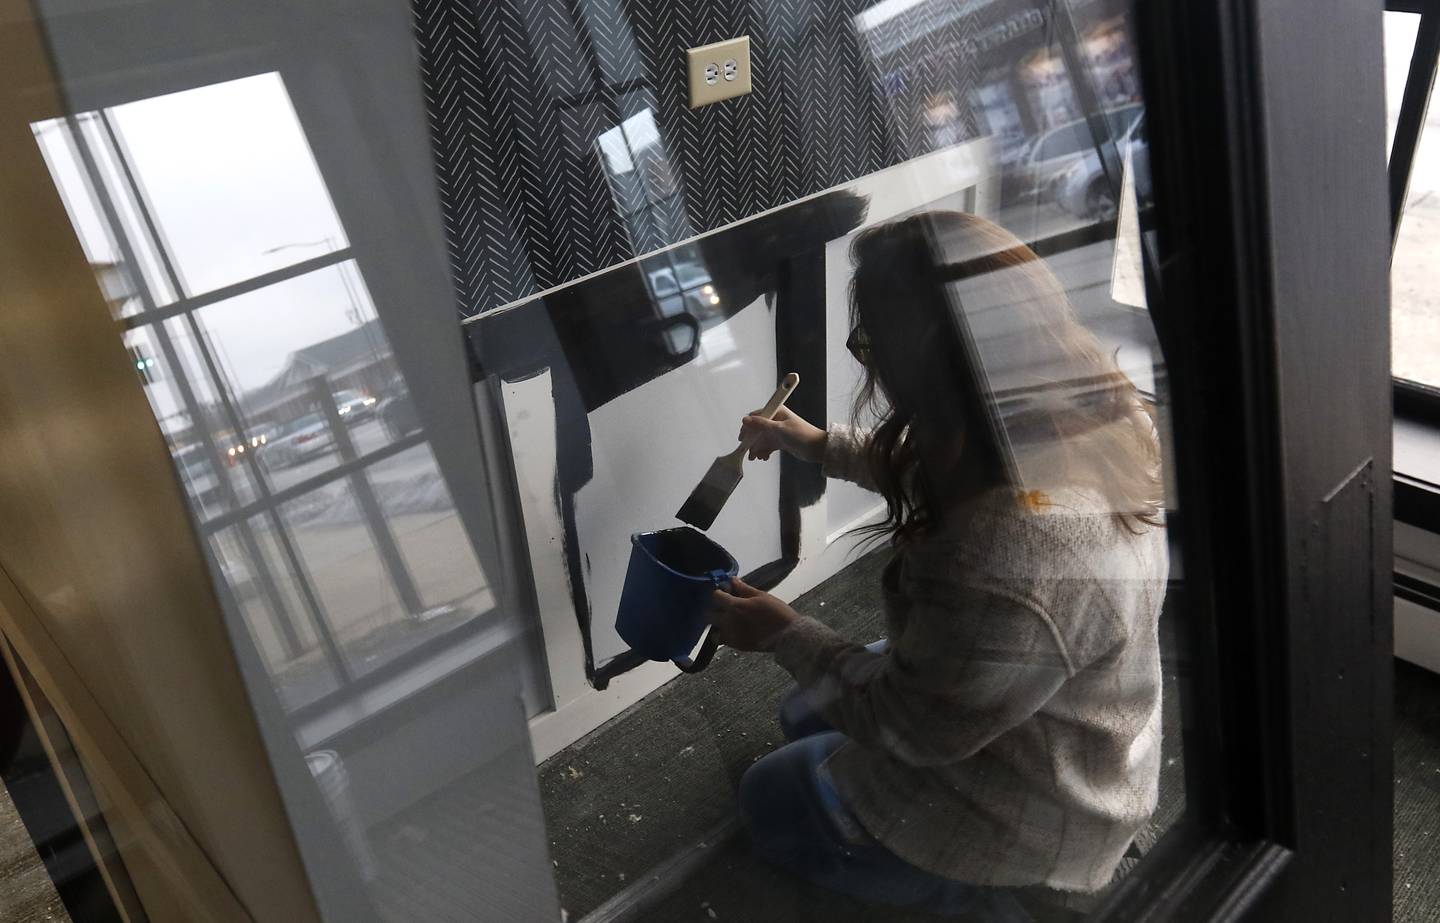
(1050, 593)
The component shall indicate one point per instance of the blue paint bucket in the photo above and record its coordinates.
(667, 591)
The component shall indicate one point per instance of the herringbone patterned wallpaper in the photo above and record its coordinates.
(564, 142)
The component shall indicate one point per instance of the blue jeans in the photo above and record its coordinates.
(798, 821)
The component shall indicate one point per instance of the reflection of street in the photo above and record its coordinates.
(1086, 274)
(368, 622)
(367, 437)
(1032, 221)
(265, 363)
(366, 618)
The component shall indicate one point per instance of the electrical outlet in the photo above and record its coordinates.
(719, 71)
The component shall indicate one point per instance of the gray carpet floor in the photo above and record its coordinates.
(660, 777)
(1417, 795)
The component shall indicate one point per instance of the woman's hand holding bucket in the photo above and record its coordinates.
(748, 619)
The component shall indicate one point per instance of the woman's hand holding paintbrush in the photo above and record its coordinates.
(787, 431)
(724, 474)
(743, 617)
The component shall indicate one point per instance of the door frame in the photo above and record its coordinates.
(1283, 517)
(1289, 799)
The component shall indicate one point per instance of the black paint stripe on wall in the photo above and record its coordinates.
(779, 255)
(520, 92)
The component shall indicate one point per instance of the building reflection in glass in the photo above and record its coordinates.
(311, 480)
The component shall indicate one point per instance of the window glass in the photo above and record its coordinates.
(1414, 270)
(272, 209)
(1066, 140)
(285, 352)
(122, 193)
(1121, 119)
(470, 467)
(372, 619)
(88, 188)
(68, 173)
(209, 457)
(431, 537)
(348, 561)
(1400, 33)
(296, 646)
(836, 286)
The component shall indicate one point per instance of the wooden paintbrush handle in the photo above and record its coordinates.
(772, 406)
(781, 395)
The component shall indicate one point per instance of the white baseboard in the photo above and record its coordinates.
(555, 730)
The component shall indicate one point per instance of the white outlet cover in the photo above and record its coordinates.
(703, 92)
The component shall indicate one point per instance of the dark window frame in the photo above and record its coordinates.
(1258, 621)
(269, 501)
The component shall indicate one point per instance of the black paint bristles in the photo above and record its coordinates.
(709, 496)
(725, 472)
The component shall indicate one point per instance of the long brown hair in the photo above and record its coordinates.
(1061, 415)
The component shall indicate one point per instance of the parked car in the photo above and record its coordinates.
(682, 276)
(1085, 191)
(261, 435)
(232, 446)
(686, 286)
(683, 290)
(354, 406)
(1044, 162)
(199, 477)
(235, 447)
(397, 413)
(303, 439)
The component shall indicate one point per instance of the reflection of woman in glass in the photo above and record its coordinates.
(1009, 734)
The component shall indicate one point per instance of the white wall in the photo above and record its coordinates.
(653, 444)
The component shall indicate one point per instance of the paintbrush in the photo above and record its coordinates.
(725, 472)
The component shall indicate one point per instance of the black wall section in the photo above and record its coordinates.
(607, 333)
(538, 107)
(800, 347)
(603, 337)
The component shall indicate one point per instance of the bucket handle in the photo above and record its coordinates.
(711, 644)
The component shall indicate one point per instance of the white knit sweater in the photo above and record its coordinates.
(1011, 733)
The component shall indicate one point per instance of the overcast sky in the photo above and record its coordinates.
(229, 176)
